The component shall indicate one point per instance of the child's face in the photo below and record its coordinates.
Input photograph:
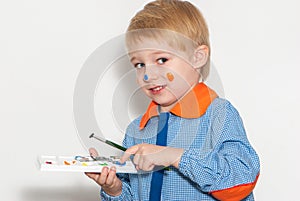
(164, 74)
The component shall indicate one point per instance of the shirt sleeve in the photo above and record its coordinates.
(226, 166)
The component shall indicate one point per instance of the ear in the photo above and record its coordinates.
(200, 56)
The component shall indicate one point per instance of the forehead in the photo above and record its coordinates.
(147, 46)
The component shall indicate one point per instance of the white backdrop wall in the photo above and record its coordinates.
(43, 45)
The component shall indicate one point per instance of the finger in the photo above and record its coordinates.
(130, 151)
(92, 175)
(146, 165)
(138, 160)
(93, 152)
(103, 176)
(111, 176)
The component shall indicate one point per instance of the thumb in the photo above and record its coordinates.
(130, 151)
(93, 152)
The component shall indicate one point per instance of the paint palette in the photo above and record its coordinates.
(83, 164)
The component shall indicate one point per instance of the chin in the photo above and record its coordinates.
(165, 103)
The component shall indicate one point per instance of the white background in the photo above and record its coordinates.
(43, 44)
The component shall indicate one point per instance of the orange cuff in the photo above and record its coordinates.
(235, 193)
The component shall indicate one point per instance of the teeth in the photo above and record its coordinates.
(157, 88)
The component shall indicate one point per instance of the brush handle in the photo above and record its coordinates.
(115, 145)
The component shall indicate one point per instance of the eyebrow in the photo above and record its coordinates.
(155, 53)
(133, 58)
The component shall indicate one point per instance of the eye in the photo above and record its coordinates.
(162, 60)
(139, 65)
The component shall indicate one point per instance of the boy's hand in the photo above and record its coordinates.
(147, 156)
(107, 179)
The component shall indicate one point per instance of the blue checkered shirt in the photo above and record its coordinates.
(217, 156)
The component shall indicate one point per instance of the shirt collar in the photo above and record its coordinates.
(192, 105)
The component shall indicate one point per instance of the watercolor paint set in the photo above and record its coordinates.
(83, 164)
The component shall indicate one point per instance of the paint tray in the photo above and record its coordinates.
(83, 164)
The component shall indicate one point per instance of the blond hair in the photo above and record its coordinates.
(176, 16)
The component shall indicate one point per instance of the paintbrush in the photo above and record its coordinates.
(114, 145)
(108, 142)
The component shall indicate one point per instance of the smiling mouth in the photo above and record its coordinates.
(157, 89)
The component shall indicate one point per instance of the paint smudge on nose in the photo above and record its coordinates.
(170, 77)
(146, 77)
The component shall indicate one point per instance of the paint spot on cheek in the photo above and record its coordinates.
(170, 77)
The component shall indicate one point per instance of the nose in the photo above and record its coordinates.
(150, 73)
(146, 77)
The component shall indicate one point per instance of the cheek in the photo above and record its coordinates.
(178, 85)
(139, 77)
(170, 76)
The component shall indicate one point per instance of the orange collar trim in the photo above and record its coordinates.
(192, 105)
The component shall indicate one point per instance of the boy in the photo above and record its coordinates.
(199, 137)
